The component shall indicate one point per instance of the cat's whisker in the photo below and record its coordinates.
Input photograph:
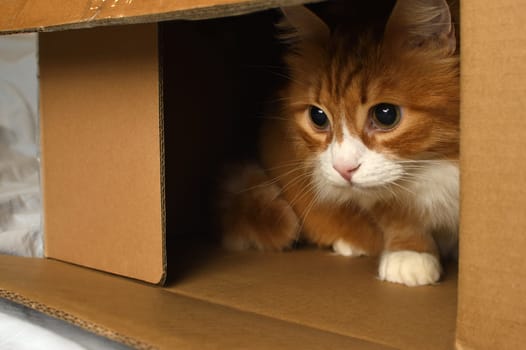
(392, 192)
(295, 163)
(421, 161)
(308, 209)
(412, 178)
(292, 166)
(414, 165)
(310, 188)
(294, 179)
(379, 193)
(301, 193)
(299, 165)
(414, 170)
(403, 188)
(301, 178)
(268, 182)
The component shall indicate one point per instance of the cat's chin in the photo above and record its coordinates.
(344, 193)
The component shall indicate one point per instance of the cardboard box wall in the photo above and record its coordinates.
(248, 300)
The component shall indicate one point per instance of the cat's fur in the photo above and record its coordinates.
(400, 198)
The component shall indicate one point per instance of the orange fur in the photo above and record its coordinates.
(254, 215)
(347, 74)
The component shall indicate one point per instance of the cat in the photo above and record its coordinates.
(362, 155)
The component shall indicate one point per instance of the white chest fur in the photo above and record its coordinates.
(434, 194)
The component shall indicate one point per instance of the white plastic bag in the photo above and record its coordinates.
(20, 200)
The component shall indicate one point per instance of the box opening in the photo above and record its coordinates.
(218, 77)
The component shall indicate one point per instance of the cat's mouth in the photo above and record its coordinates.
(355, 183)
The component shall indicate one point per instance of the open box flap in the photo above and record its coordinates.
(36, 15)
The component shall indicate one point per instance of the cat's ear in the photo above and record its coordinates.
(415, 23)
(301, 24)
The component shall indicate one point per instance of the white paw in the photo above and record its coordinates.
(341, 247)
(409, 268)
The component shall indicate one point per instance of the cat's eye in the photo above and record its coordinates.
(385, 116)
(319, 118)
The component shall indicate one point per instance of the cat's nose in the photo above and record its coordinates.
(346, 171)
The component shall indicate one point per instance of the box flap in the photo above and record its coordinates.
(36, 15)
(101, 149)
(147, 317)
(492, 283)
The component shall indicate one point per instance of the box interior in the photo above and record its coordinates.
(217, 77)
(204, 86)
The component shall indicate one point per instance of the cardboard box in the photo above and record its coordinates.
(129, 145)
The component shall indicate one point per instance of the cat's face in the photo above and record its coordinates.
(370, 116)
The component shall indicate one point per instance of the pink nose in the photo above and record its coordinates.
(346, 171)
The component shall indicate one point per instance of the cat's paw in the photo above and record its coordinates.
(409, 268)
(253, 214)
(343, 248)
(272, 227)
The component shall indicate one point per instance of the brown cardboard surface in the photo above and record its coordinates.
(33, 15)
(492, 282)
(101, 149)
(145, 316)
(230, 300)
(318, 289)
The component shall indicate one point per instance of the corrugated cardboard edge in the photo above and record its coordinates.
(216, 11)
(160, 49)
(74, 320)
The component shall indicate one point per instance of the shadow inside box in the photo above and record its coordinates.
(193, 257)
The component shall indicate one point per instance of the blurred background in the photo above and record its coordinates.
(20, 200)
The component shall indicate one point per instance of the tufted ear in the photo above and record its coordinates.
(415, 23)
(301, 24)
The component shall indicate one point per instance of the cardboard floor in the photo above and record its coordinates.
(216, 299)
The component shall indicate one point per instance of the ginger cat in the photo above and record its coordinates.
(362, 155)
